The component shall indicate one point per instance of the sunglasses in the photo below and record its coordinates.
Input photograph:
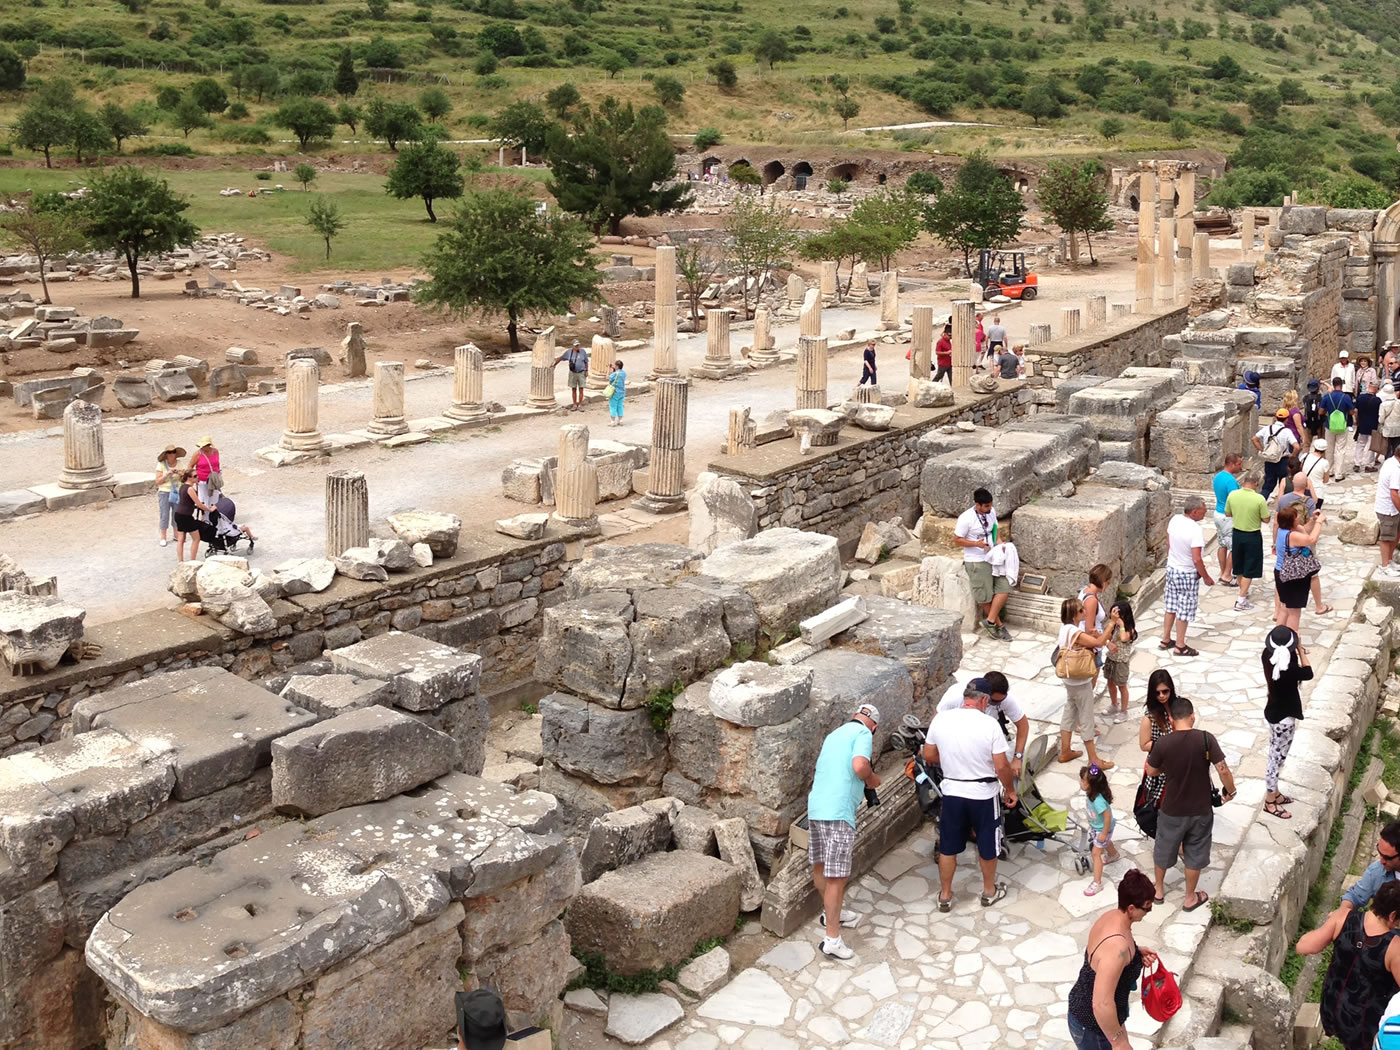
(1386, 856)
(1164, 692)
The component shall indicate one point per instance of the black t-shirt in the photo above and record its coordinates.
(1185, 757)
(1368, 413)
(1284, 701)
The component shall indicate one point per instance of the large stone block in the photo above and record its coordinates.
(760, 694)
(585, 647)
(37, 630)
(942, 583)
(626, 836)
(1064, 537)
(513, 913)
(624, 568)
(844, 679)
(790, 574)
(601, 744)
(721, 513)
(356, 757)
(328, 695)
(466, 722)
(927, 641)
(651, 914)
(678, 636)
(439, 531)
(425, 675)
(529, 976)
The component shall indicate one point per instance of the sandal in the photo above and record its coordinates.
(1165, 644)
(945, 905)
(1185, 650)
(1274, 809)
(1282, 799)
(1158, 900)
(1201, 898)
(998, 892)
(1324, 610)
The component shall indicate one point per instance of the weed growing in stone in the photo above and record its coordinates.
(662, 704)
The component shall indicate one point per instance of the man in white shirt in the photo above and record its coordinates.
(1274, 441)
(1316, 469)
(1001, 707)
(1388, 509)
(971, 749)
(976, 534)
(1346, 372)
(1185, 569)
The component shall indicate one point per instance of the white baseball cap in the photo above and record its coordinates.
(870, 711)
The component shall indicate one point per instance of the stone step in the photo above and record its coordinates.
(1039, 612)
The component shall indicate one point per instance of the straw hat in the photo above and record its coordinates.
(169, 449)
(205, 440)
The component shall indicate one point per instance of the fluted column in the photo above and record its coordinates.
(1185, 234)
(809, 321)
(742, 432)
(663, 339)
(889, 301)
(763, 350)
(796, 290)
(1247, 235)
(1118, 310)
(347, 511)
(303, 407)
(867, 394)
(575, 479)
(828, 280)
(860, 280)
(1095, 310)
(666, 473)
(964, 343)
(388, 399)
(717, 353)
(1200, 255)
(921, 346)
(811, 372)
(1164, 292)
(1040, 333)
(1069, 320)
(600, 359)
(468, 397)
(542, 371)
(84, 462)
(1147, 250)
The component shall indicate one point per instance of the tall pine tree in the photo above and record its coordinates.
(346, 81)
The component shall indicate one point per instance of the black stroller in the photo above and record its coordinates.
(221, 533)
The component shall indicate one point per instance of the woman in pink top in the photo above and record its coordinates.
(978, 338)
(205, 463)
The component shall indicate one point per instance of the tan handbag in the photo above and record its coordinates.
(1075, 663)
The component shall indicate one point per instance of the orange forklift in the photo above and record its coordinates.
(1005, 273)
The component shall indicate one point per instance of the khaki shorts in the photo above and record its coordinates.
(1390, 527)
(984, 584)
(1115, 671)
(1078, 713)
(577, 379)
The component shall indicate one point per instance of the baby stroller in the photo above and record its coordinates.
(222, 533)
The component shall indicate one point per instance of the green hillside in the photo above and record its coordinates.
(1311, 83)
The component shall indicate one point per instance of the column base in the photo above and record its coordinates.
(539, 402)
(595, 384)
(657, 504)
(716, 370)
(388, 427)
(465, 411)
(312, 442)
(86, 478)
(589, 526)
(889, 326)
(664, 373)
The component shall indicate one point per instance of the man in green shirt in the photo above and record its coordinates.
(1247, 511)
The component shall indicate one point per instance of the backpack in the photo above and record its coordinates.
(1312, 411)
(1336, 420)
(1273, 449)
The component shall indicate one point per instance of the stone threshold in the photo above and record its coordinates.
(37, 499)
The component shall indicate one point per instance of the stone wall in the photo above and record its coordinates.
(1135, 340)
(487, 601)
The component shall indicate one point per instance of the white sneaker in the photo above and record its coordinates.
(848, 918)
(165, 543)
(1243, 605)
(836, 949)
(1391, 570)
(1119, 717)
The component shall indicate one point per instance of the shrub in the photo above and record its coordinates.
(669, 90)
(924, 182)
(236, 111)
(165, 149)
(263, 176)
(707, 137)
(837, 186)
(243, 134)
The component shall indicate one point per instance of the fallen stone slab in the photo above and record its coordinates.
(132, 391)
(37, 630)
(173, 385)
(721, 513)
(868, 416)
(395, 555)
(790, 574)
(760, 694)
(359, 756)
(329, 695)
(830, 622)
(626, 568)
(225, 589)
(319, 354)
(732, 837)
(304, 575)
(361, 563)
(14, 502)
(227, 379)
(816, 427)
(425, 675)
(439, 531)
(634, 1019)
(625, 836)
(523, 526)
(705, 974)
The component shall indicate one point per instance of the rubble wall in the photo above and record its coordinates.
(489, 605)
(1136, 340)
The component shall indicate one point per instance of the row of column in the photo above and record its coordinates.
(1170, 253)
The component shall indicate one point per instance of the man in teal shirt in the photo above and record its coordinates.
(1224, 483)
(842, 775)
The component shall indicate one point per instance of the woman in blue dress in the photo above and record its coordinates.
(617, 378)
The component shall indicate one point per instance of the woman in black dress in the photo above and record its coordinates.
(867, 370)
(1364, 969)
(1161, 691)
(1113, 962)
(1285, 665)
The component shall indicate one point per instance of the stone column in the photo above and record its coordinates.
(889, 301)
(809, 321)
(829, 285)
(84, 462)
(666, 474)
(663, 338)
(1164, 291)
(347, 511)
(762, 351)
(1069, 320)
(1185, 234)
(1040, 333)
(1147, 232)
(575, 479)
(354, 346)
(388, 399)
(1118, 310)
(964, 345)
(468, 400)
(1095, 310)
(796, 291)
(1246, 234)
(1200, 255)
(976, 292)
(868, 394)
(811, 372)
(303, 407)
(600, 359)
(1267, 236)
(1387, 308)
(742, 432)
(542, 371)
(921, 349)
(717, 355)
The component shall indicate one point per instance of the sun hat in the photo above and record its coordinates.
(169, 449)
(205, 440)
(1319, 444)
(1251, 378)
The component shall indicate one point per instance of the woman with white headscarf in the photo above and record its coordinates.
(1285, 665)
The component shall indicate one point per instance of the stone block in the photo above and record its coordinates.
(37, 630)
(626, 568)
(132, 391)
(927, 641)
(1362, 531)
(14, 502)
(1063, 537)
(868, 415)
(624, 837)
(721, 513)
(512, 913)
(651, 914)
(360, 563)
(705, 973)
(523, 526)
(1308, 221)
(439, 531)
(732, 837)
(830, 622)
(924, 393)
(425, 675)
(304, 575)
(677, 636)
(789, 574)
(521, 480)
(600, 744)
(585, 648)
(173, 385)
(816, 427)
(328, 695)
(694, 830)
(227, 379)
(759, 694)
(359, 756)
(948, 480)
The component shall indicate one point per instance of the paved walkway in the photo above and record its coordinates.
(978, 979)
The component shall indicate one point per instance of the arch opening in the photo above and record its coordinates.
(773, 171)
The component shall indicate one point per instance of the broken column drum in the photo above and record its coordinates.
(763, 349)
(1095, 310)
(542, 371)
(1040, 333)
(1200, 255)
(575, 478)
(347, 511)
(666, 474)
(1147, 233)
(811, 372)
(717, 353)
(1246, 234)
(303, 407)
(889, 300)
(388, 399)
(964, 344)
(84, 462)
(921, 347)
(1069, 320)
(829, 283)
(354, 346)
(600, 360)
(809, 321)
(468, 399)
(663, 361)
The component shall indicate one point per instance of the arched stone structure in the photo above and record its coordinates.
(1385, 246)
(848, 171)
(801, 174)
(710, 164)
(773, 171)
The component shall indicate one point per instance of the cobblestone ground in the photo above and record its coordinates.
(980, 978)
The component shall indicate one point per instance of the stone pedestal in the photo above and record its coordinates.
(1095, 310)
(860, 282)
(763, 351)
(388, 400)
(84, 462)
(353, 346)
(1185, 234)
(811, 372)
(1147, 251)
(1040, 333)
(975, 292)
(829, 285)
(889, 301)
(867, 394)
(468, 399)
(347, 511)
(542, 371)
(663, 340)
(1069, 320)
(1164, 290)
(1120, 310)
(1247, 235)
(303, 408)
(575, 480)
(964, 343)
(666, 473)
(1200, 255)
(809, 321)
(600, 359)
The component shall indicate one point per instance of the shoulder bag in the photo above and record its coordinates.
(1145, 810)
(1298, 564)
(1075, 663)
(1216, 799)
(1161, 997)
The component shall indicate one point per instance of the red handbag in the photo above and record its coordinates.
(1161, 997)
